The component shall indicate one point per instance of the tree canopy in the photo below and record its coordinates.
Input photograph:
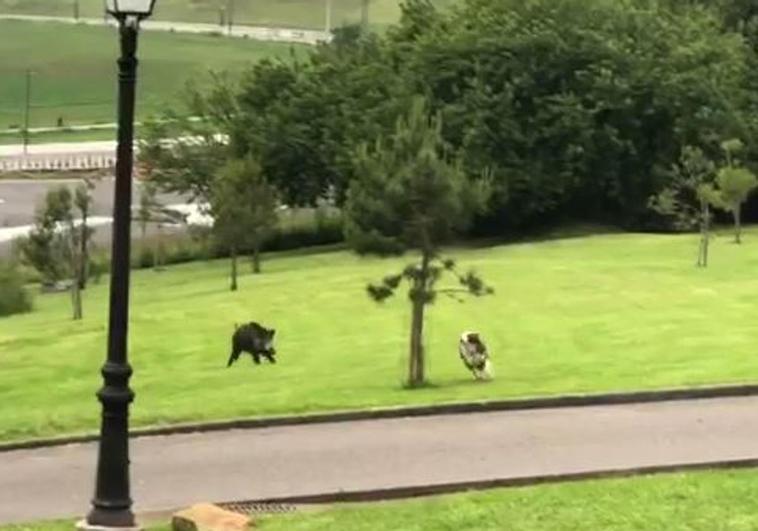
(410, 193)
(575, 106)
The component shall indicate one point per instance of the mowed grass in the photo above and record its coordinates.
(582, 315)
(703, 501)
(722, 501)
(310, 14)
(74, 70)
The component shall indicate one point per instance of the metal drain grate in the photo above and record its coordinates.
(251, 508)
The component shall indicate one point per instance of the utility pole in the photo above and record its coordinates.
(27, 109)
(76, 9)
(328, 23)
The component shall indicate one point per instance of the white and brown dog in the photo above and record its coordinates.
(474, 354)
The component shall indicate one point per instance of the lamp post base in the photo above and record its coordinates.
(83, 525)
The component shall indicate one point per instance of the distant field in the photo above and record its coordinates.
(16, 137)
(74, 69)
(592, 314)
(288, 13)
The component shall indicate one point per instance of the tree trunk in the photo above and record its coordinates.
(84, 255)
(76, 266)
(416, 361)
(737, 224)
(416, 372)
(155, 257)
(705, 227)
(256, 259)
(233, 251)
(707, 234)
(700, 245)
(158, 258)
(76, 299)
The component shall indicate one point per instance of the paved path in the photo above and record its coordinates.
(262, 33)
(20, 199)
(174, 471)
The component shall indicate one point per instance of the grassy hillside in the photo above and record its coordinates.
(287, 13)
(601, 313)
(74, 69)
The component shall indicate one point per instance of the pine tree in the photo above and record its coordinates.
(410, 193)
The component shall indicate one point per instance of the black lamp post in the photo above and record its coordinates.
(111, 506)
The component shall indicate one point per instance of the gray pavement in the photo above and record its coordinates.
(20, 199)
(174, 471)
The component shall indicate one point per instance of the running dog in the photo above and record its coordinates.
(474, 354)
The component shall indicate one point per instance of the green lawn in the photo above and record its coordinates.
(74, 69)
(704, 501)
(287, 13)
(692, 502)
(602, 313)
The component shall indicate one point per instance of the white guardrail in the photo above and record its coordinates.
(99, 155)
(57, 163)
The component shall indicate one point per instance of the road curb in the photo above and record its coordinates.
(605, 399)
(399, 493)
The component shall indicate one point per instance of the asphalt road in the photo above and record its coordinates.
(20, 199)
(171, 472)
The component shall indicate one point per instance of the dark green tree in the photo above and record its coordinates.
(574, 114)
(83, 204)
(14, 297)
(411, 193)
(53, 247)
(735, 183)
(182, 155)
(243, 206)
(46, 249)
(690, 196)
(58, 245)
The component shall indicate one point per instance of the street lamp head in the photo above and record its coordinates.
(130, 8)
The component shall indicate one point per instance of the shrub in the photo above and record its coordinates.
(296, 230)
(14, 297)
(99, 265)
(321, 228)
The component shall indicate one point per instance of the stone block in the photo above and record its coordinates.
(209, 517)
